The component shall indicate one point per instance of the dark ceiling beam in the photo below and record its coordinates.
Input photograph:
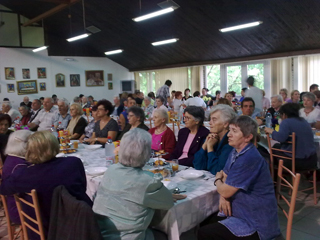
(55, 1)
(231, 60)
(50, 12)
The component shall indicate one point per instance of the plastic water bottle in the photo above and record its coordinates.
(109, 152)
(268, 120)
(54, 131)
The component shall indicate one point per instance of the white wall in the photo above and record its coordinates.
(25, 58)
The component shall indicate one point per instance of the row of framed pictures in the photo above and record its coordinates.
(11, 75)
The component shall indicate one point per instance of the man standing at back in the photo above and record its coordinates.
(255, 93)
(164, 92)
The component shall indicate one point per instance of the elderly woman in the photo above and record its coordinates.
(25, 113)
(45, 173)
(148, 107)
(15, 151)
(77, 124)
(295, 97)
(191, 137)
(106, 126)
(162, 137)
(159, 103)
(309, 112)
(248, 207)
(136, 120)
(88, 131)
(284, 93)
(128, 196)
(215, 150)
(306, 157)
(5, 123)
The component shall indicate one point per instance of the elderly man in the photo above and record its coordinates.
(44, 120)
(255, 93)
(248, 109)
(62, 115)
(77, 100)
(276, 102)
(84, 102)
(7, 108)
(26, 102)
(35, 109)
(118, 107)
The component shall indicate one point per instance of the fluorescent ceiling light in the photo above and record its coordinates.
(154, 14)
(247, 25)
(40, 49)
(113, 52)
(78, 37)
(165, 41)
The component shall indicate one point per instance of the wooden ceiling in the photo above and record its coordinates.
(289, 27)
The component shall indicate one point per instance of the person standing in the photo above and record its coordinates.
(164, 92)
(255, 93)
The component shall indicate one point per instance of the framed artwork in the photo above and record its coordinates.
(10, 88)
(25, 73)
(94, 78)
(27, 87)
(109, 76)
(42, 72)
(9, 73)
(110, 86)
(43, 86)
(74, 80)
(60, 80)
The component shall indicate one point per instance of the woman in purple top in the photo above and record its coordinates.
(15, 151)
(248, 207)
(295, 97)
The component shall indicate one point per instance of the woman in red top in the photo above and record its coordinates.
(25, 113)
(162, 137)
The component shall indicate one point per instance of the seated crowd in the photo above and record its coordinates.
(128, 196)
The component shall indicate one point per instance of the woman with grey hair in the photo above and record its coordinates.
(15, 151)
(191, 137)
(309, 112)
(159, 103)
(135, 120)
(215, 150)
(148, 106)
(128, 196)
(248, 207)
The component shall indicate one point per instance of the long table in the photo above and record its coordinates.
(202, 197)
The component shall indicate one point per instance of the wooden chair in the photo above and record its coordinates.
(34, 203)
(150, 122)
(14, 230)
(294, 188)
(293, 159)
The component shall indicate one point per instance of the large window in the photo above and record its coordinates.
(256, 70)
(213, 78)
(234, 79)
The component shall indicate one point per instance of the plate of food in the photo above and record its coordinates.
(68, 150)
(191, 174)
(92, 147)
(159, 162)
(164, 172)
(96, 171)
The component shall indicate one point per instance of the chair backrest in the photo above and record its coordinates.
(294, 188)
(34, 203)
(273, 154)
(150, 122)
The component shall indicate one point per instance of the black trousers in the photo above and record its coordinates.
(217, 231)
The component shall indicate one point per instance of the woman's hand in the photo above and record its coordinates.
(219, 174)
(225, 206)
(268, 130)
(205, 144)
(213, 139)
(177, 197)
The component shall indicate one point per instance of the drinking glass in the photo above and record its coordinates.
(175, 165)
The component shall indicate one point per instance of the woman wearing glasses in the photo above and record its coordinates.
(191, 137)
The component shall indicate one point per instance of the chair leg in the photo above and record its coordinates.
(315, 187)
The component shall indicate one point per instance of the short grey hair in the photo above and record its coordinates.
(138, 112)
(76, 99)
(65, 101)
(17, 143)
(7, 103)
(196, 112)
(135, 149)
(278, 97)
(226, 112)
(163, 113)
(51, 99)
(247, 126)
(310, 96)
(147, 98)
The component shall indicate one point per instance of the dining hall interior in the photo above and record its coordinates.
(193, 63)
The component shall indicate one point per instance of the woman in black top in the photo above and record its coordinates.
(77, 124)
(5, 123)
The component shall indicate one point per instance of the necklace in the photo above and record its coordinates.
(158, 130)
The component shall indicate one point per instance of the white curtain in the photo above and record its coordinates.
(281, 75)
(308, 71)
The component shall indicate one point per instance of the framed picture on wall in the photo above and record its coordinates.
(60, 80)
(43, 86)
(74, 80)
(27, 87)
(42, 72)
(10, 88)
(25, 73)
(94, 78)
(110, 86)
(9, 73)
(109, 76)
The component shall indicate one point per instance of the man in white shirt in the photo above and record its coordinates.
(255, 93)
(7, 108)
(196, 101)
(44, 119)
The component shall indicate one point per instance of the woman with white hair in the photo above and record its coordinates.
(309, 112)
(163, 138)
(15, 151)
(216, 149)
(148, 107)
(77, 124)
(128, 196)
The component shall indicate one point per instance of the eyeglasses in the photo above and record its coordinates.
(188, 118)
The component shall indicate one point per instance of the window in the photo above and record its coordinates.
(213, 78)
(144, 76)
(256, 70)
(234, 79)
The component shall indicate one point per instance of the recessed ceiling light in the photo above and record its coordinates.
(247, 25)
(78, 37)
(113, 52)
(40, 49)
(165, 42)
(154, 14)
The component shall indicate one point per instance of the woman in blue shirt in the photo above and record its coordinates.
(215, 150)
(248, 206)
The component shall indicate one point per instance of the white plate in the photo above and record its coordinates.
(96, 171)
(169, 184)
(191, 174)
(92, 147)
